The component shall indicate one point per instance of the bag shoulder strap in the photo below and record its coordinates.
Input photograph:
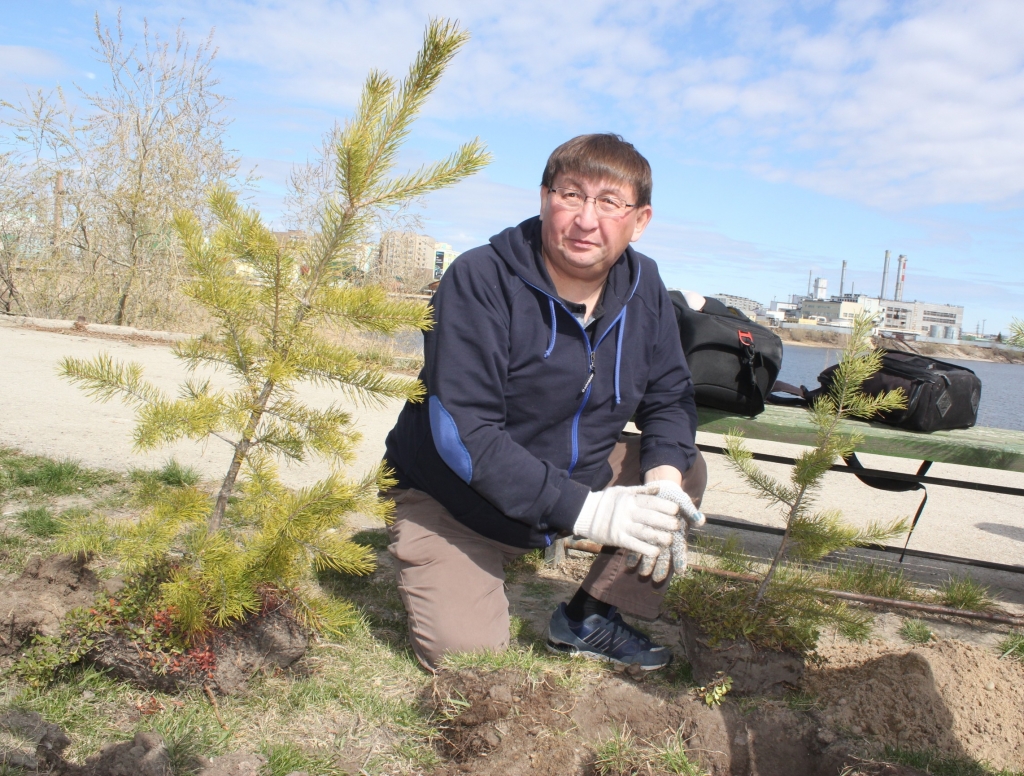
(798, 395)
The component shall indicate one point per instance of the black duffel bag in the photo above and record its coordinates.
(734, 361)
(940, 395)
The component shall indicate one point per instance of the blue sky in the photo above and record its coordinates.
(785, 137)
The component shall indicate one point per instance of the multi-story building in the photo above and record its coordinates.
(926, 318)
(920, 318)
(404, 261)
(747, 306)
(444, 255)
(834, 310)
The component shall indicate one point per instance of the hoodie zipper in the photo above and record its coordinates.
(590, 375)
(591, 357)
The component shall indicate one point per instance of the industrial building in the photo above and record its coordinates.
(894, 315)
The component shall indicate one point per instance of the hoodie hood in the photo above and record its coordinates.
(520, 248)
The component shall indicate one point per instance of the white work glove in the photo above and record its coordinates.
(629, 517)
(657, 566)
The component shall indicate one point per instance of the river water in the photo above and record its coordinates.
(1002, 385)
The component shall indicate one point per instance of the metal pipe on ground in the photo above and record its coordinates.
(587, 546)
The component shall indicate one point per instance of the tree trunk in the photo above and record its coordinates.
(763, 587)
(122, 302)
(241, 451)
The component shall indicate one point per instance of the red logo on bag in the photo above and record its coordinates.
(746, 338)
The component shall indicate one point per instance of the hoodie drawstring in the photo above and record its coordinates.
(618, 354)
(551, 344)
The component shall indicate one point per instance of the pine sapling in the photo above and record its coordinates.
(274, 308)
(811, 533)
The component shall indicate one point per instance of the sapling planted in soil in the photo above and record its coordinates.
(812, 534)
(786, 611)
(273, 308)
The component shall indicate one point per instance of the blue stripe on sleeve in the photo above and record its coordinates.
(448, 442)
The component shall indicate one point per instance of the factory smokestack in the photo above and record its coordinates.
(842, 280)
(901, 276)
(810, 272)
(885, 275)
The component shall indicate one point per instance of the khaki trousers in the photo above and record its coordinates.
(452, 579)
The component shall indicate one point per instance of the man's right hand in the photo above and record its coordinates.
(628, 517)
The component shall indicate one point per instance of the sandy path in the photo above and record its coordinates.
(45, 415)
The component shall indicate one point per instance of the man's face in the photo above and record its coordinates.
(581, 244)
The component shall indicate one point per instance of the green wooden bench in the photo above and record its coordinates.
(989, 448)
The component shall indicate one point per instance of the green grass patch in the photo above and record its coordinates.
(790, 617)
(1013, 646)
(172, 474)
(283, 759)
(526, 563)
(940, 765)
(624, 754)
(916, 631)
(37, 521)
(870, 579)
(48, 477)
(965, 593)
(372, 537)
(190, 730)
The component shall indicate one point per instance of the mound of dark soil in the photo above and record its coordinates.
(503, 724)
(270, 641)
(483, 735)
(37, 601)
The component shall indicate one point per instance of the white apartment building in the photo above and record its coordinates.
(405, 260)
(444, 255)
(747, 306)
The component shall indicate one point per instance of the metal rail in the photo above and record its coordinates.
(883, 474)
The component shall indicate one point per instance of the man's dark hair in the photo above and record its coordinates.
(604, 156)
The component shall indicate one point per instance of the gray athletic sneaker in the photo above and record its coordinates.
(605, 638)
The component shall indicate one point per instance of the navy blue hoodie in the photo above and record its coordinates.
(523, 408)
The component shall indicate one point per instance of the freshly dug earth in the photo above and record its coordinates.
(270, 641)
(952, 697)
(504, 724)
(36, 602)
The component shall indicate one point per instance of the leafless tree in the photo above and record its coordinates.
(99, 184)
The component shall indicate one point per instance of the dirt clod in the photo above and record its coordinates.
(144, 755)
(235, 764)
(47, 739)
(36, 602)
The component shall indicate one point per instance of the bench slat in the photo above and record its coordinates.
(991, 448)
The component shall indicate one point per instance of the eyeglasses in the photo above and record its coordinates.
(604, 204)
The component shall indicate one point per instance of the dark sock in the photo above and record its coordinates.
(583, 605)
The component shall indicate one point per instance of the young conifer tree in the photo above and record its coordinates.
(811, 533)
(273, 307)
(1017, 333)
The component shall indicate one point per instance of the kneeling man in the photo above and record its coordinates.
(546, 342)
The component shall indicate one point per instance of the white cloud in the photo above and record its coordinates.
(25, 63)
(898, 105)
